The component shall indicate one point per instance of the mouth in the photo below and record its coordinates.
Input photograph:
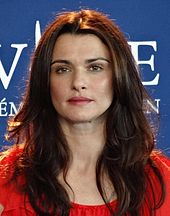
(79, 100)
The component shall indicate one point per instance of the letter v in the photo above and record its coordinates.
(3, 76)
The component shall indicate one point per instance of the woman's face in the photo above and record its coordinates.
(81, 78)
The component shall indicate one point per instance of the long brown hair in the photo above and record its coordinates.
(129, 137)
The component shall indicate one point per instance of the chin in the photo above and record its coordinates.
(86, 120)
(80, 121)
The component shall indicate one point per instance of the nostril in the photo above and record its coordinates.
(79, 88)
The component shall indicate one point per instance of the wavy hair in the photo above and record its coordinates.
(129, 136)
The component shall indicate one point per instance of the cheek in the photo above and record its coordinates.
(104, 86)
(56, 90)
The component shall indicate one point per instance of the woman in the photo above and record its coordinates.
(84, 145)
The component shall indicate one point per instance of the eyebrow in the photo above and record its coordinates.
(86, 61)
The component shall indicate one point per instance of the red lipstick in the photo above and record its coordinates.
(79, 100)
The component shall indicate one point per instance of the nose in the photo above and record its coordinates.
(79, 81)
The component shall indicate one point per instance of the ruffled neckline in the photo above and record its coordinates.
(79, 205)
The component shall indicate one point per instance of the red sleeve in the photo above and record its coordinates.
(12, 201)
(164, 165)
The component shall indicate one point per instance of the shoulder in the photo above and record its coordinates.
(10, 155)
(162, 162)
(12, 201)
(7, 164)
(8, 159)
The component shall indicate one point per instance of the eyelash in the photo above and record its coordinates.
(62, 69)
(91, 68)
(96, 67)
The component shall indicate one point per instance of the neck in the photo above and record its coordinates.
(85, 140)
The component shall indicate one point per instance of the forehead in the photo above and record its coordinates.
(69, 45)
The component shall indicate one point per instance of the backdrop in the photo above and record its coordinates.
(145, 23)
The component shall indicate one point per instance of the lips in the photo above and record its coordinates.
(79, 100)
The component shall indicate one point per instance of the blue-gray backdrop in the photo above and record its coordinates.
(145, 23)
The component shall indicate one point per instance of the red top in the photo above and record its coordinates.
(12, 203)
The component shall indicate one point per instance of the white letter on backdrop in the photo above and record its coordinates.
(3, 75)
(135, 51)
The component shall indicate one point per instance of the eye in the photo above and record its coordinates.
(96, 68)
(62, 69)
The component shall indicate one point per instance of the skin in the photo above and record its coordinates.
(81, 92)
